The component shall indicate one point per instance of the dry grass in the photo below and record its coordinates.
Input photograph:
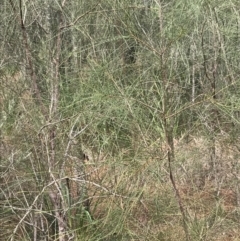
(135, 200)
(146, 203)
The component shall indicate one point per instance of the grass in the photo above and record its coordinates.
(104, 153)
(131, 197)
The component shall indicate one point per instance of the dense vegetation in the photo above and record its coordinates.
(119, 120)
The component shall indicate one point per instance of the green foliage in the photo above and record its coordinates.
(102, 102)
